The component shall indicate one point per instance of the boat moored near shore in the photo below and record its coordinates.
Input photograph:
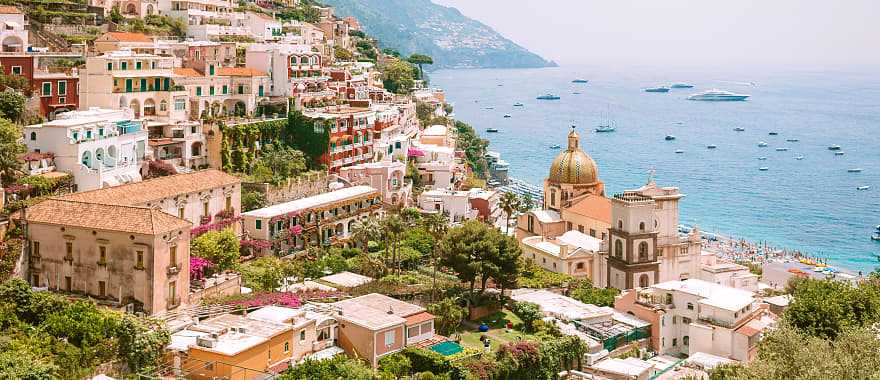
(716, 95)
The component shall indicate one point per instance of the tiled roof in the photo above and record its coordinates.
(8, 9)
(593, 206)
(129, 37)
(99, 216)
(376, 311)
(187, 72)
(139, 193)
(419, 318)
(240, 72)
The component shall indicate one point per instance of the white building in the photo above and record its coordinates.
(693, 316)
(292, 69)
(386, 176)
(99, 147)
(454, 204)
(143, 82)
(573, 253)
(325, 218)
(13, 30)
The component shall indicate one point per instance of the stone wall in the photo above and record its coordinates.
(303, 187)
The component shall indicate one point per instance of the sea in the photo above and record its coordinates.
(811, 205)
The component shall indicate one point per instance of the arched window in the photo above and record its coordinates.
(553, 197)
(619, 224)
(643, 281)
(686, 340)
(656, 223)
(642, 226)
(580, 266)
(643, 251)
(163, 106)
(33, 136)
(618, 249)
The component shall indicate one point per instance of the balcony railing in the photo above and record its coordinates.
(173, 269)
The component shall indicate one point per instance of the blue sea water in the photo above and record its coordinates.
(811, 205)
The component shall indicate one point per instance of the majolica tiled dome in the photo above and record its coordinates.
(573, 166)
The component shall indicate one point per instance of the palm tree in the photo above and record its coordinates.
(509, 203)
(365, 230)
(392, 227)
(436, 224)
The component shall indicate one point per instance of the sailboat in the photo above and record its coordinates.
(608, 125)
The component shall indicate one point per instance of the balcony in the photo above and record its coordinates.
(716, 322)
(173, 270)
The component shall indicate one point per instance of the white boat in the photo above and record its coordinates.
(762, 158)
(792, 140)
(657, 89)
(507, 116)
(773, 133)
(679, 151)
(716, 95)
(711, 146)
(555, 146)
(863, 188)
(517, 104)
(876, 235)
(669, 137)
(604, 129)
(839, 153)
(801, 157)
(739, 129)
(834, 147)
(762, 144)
(490, 108)
(492, 130)
(781, 149)
(854, 170)
(763, 168)
(580, 81)
(682, 85)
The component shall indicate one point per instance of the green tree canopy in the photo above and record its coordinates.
(398, 77)
(10, 150)
(419, 60)
(12, 104)
(824, 308)
(220, 247)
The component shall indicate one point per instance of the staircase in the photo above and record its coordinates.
(44, 38)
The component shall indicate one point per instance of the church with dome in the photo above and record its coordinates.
(624, 241)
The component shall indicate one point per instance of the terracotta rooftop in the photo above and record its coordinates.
(140, 193)
(240, 72)
(593, 206)
(129, 37)
(419, 318)
(8, 9)
(187, 72)
(376, 311)
(139, 220)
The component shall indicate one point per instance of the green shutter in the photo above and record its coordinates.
(199, 91)
(137, 65)
(109, 66)
(240, 89)
(167, 83)
(211, 90)
(47, 88)
(143, 84)
(261, 90)
(124, 65)
(211, 69)
(128, 85)
(259, 224)
(225, 89)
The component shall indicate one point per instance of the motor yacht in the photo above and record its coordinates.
(657, 89)
(549, 97)
(682, 85)
(718, 95)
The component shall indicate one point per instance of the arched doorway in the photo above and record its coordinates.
(135, 106)
(149, 107)
(87, 159)
(643, 281)
(240, 109)
(149, 9)
(131, 9)
(196, 149)
(340, 229)
(13, 44)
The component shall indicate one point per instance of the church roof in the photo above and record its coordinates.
(592, 206)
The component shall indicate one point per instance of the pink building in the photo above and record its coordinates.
(385, 176)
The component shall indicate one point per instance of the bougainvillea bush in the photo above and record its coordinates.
(199, 267)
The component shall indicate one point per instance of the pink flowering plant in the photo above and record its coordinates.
(198, 267)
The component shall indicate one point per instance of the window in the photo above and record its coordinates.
(619, 224)
(225, 89)
(163, 106)
(199, 91)
(580, 228)
(686, 320)
(153, 65)
(302, 336)
(580, 266)
(36, 280)
(36, 248)
(618, 249)
(685, 340)
(68, 250)
(286, 347)
(138, 65)
(33, 136)
(181, 212)
(140, 260)
(68, 283)
(102, 254)
(228, 203)
(102, 288)
(211, 90)
(179, 104)
(258, 224)
(690, 306)
(109, 66)
(260, 92)
(211, 69)
(592, 232)
(205, 212)
(47, 88)
(172, 293)
(389, 338)
(123, 65)
(674, 342)
(412, 331)
(642, 226)
(643, 251)
(240, 89)
(172, 255)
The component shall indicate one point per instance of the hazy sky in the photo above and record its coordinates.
(812, 33)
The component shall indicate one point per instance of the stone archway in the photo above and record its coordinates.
(12, 44)
(149, 9)
(135, 106)
(644, 281)
(149, 107)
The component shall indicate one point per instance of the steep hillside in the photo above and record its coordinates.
(453, 40)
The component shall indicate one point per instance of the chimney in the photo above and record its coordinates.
(563, 250)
